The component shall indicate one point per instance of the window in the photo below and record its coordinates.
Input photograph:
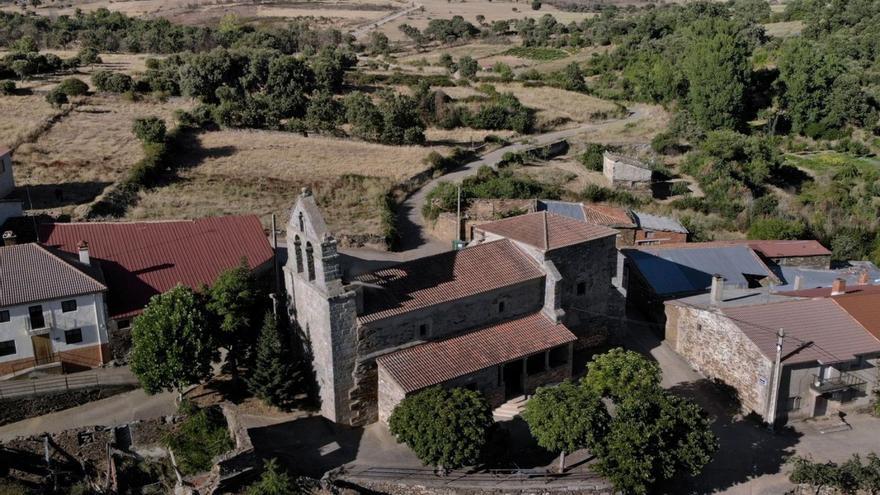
(423, 330)
(123, 323)
(793, 404)
(558, 356)
(581, 288)
(74, 336)
(7, 348)
(310, 260)
(302, 223)
(68, 306)
(501, 306)
(535, 364)
(36, 315)
(4, 316)
(297, 249)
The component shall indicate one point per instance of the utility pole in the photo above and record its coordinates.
(275, 254)
(458, 218)
(774, 383)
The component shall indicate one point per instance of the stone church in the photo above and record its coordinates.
(500, 316)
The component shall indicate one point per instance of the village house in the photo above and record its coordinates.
(500, 316)
(626, 172)
(10, 206)
(827, 348)
(52, 314)
(142, 259)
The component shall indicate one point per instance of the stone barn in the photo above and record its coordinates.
(500, 316)
(626, 172)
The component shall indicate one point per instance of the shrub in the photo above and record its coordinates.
(88, 56)
(56, 98)
(73, 87)
(112, 82)
(445, 428)
(7, 87)
(665, 143)
(592, 155)
(201, 437)
(467, 67)
(536, 4)
(776, 228)
(679, 188)
(149, 129)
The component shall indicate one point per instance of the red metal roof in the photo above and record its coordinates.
(428, 364)
(609, 216)
(864, 307)
(141, 259)
(546, 231)
(444, 277)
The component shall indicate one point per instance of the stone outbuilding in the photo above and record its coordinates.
(626, 172)
(500, 316)
(828, 358)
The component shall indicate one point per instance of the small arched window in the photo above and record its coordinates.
(310, 260)
(297, 249)
(302, 222)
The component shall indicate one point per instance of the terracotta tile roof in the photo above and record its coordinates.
(815, 330)
(141, 259)
(428, 364)
(864, 307)
(609, 216)
(444, 277)
(535, 229)
(31, 273)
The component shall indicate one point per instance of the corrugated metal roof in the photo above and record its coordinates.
(815, 330)
(141, 259)
(816, 278)
(444, 277)
(685, 270)
(865, 308)
(648, 221)
(564, 208)
(32, 273)
(428, 364)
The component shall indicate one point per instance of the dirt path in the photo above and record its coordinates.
(363, 30)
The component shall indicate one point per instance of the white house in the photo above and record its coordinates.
(52, 312)
(9, 206)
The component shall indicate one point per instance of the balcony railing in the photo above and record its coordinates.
(837, 383)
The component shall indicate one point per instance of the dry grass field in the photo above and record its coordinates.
(784, 29)
(261, 172)
(84, 152)
(22, 117)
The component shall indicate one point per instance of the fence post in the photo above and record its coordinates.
(66, 384)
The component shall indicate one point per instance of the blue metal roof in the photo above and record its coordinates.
(654, 222)
(565, 208)
(672, 271)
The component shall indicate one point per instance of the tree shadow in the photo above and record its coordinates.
(747, 448)
(512, 446)
(45, 196)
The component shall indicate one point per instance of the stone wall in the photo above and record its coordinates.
(818, 262)
(715, 347)
(623, 172)
(390, 394)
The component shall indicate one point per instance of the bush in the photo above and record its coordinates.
(679, 188)
(597, 194)
(536, 4)
(149, 129)
(467, 67)
(444, 428)
(776, 228)
(56, 98)
(73, 87)
(112, 82)
(7, 87)
(201, 437)
(665, 143)
(592, 157)
(88, 56)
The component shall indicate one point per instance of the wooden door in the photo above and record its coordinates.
(42, 348)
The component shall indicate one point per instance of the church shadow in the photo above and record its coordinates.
(747, 448)
(308, 446)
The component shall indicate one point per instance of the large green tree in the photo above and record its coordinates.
(654, 438)
(717, 67)
(445, 428)
(172, 342)
(566, 418)
(236, 301)
(618, 374)
(273, 377)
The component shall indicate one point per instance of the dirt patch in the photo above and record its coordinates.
(19, 408)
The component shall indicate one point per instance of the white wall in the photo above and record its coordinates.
(88, 316)
(7, 183)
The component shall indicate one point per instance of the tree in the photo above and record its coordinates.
(325, 112)
(272, 378)
(653, 438)
(289, 81)
(566, 418)
(401, 123)
(536, 4)
(618, 374)
(776, 228)
(273, 481)
(445, 428)
(7, 87)
(56, 98)
(172, 342)
(467, 66)
(363, 115)
(149, 129)
(73, 87)
(235, 300)
(25, 44)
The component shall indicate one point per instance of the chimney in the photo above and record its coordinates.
(9, 238)
(716, 295)
(838, 287)
(798, 282)
(863, 278)
(83, 248)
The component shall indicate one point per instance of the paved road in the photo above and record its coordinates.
(362, 30)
